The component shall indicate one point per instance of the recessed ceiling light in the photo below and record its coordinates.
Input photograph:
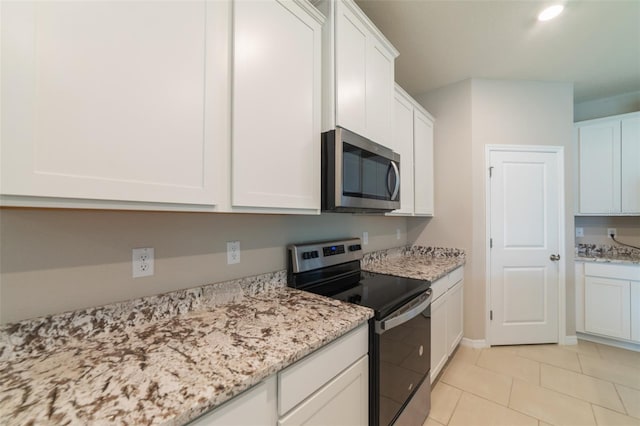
(550, 12)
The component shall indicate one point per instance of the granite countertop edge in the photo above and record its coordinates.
(603, 259)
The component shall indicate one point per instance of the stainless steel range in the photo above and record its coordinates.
(399, 333)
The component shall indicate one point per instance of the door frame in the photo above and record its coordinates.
(562, 291)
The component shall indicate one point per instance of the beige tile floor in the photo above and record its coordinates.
(538, 385)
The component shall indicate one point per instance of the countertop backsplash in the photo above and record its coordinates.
(27, 337)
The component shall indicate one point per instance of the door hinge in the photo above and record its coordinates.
(491, 315)
(491, 171)
(490, 242)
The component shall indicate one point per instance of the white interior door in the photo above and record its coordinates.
(524, 229)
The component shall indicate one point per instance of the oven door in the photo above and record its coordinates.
(358, 174)
(403, 341)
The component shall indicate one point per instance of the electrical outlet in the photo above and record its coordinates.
(233, 252)
(365, 238)
(142, 262)
(579, 232)
(611, 231)
(397, 233)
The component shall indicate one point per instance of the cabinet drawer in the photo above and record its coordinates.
(300, 380)
(439, 287)
(343, 401)
(607, 270)
(455, 276)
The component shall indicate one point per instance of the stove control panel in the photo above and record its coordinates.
(306, 257)
(333, 250)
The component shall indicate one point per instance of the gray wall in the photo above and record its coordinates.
(620, 104)
(494, 112)
(53, 261)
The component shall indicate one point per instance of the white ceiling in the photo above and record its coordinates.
(594, 43)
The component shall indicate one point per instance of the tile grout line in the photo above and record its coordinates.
(593, 413)
(455, 407)
(624, 407)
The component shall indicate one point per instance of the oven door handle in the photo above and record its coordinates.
(423, 301)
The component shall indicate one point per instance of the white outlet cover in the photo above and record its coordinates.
(365, 238)
(579, 231)
(233, 252)
(142, 262)
(612, 231)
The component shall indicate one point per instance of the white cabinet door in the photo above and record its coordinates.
(106, 101)
(579, 289)
(607, 307)
(599, 163)
(379, 92)
(255, 407)
(342, 401)
(454, 316)
(630, 168)
(439, 351)
(351, 71)
(599, 167)
(276, 106)
(363, 73)
(635, 311)
(403, 145)
(423, 160)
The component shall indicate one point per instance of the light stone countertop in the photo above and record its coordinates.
(423, 263)
(164, 359)
(607, 254)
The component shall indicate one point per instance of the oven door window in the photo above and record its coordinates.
(404, 363)
(365, 174)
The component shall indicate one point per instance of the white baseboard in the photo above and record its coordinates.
(569, 340)
(475, 344)
(610, 342)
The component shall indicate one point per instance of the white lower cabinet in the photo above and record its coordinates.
(454, 316)
(342, 401)
(329, 387)
(608, 300)
(257, 406)
(446, 318)
(635, 311)
(608, 307)
(438, 336)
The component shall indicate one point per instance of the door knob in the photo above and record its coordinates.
(554, 257)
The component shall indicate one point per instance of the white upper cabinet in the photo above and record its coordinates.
(608, 157)
(403, 145)
(423, 163)
(413, 140)
(276, 105)
(630, 165)
(109, 101)
(358, 73)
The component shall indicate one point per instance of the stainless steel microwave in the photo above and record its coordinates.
(358, 175)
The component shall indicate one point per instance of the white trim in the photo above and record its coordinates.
(609, 342)
(570, 340)
(475, 344)
(562, 291)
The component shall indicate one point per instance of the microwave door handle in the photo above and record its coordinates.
(394, 193)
